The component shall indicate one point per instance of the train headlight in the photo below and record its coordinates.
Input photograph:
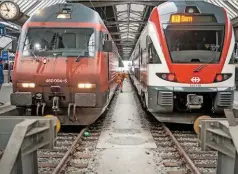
(167, 76)
(26, 85)
(86, 85)
(191, 10)
(64, 16)
(222, 77)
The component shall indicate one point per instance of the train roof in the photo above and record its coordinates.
(79, 13)
(172, 6)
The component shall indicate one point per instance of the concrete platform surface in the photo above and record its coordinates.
(125, 141)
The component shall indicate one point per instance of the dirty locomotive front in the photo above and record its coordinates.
(65, 65)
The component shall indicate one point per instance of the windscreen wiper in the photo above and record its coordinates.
(79, 56)
(35, 56)
(214, 50)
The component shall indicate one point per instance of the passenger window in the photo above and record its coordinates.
(153, 55)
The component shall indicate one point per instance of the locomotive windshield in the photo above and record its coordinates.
(65, 42)
(191, 45)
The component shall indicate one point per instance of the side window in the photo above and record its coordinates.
(26, 47)
(91, 45)
(153, 56)
(104, 36)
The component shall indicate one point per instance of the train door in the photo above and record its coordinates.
(108, 62)
(104, 37)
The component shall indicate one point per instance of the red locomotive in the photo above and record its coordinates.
(65, 64)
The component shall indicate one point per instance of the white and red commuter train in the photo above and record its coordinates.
(182, 65)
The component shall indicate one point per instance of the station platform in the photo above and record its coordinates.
(124, 144)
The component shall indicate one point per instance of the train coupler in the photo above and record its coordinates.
(42, 105)
(55, 106)
(28, 111)
(73, 117)
(194, 101)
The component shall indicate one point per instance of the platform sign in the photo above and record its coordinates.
(2, 30)
(4, 55)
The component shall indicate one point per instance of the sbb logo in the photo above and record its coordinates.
(195, 79)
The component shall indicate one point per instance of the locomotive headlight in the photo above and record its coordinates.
(191, 10)
(64, 16)
(86, 85)
(26, 85)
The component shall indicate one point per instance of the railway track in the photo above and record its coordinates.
(72, 152)
(180, 152)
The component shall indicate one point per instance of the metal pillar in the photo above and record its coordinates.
(221, 135)
(20, 138)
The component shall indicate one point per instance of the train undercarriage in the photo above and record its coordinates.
(174, 105)
(73, 109)
(186, 107)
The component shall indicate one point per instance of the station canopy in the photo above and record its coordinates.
(125, 19)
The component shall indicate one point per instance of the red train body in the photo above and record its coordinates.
(65, 65)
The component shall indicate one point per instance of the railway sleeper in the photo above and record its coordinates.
(170, 157)
(164, 144)
(203, 157)
(187, 140)
(81, 156)
(199, 165)
(79, 165)
(50, 155)
(172, 164)
(48, 165)
(177, 172)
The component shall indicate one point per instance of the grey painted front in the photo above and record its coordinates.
(27, 99)
(80, 13)
(167, 106)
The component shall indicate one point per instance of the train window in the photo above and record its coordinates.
(153, 55)
(104, 37)
(66, 42)
(195, 46)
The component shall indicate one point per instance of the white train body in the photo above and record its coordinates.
(183, 61)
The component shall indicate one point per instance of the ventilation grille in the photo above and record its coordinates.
(165, 98)
(225, 99)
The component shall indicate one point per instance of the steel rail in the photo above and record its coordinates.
(182, 151)
(65, 159)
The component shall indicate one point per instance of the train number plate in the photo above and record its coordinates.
(195, 85)
(56, 81)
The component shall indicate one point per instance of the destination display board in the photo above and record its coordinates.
(179, 18)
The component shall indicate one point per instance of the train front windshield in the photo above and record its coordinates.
(60, 41)
(194, 45)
